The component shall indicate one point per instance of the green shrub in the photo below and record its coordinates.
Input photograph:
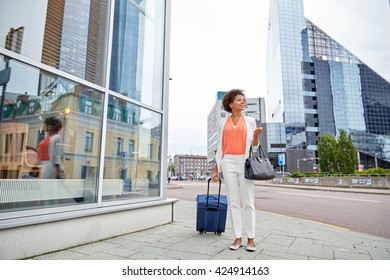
(297, 175)
(375, 171)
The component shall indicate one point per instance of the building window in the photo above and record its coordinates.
(131, 118)
(88, 107)
(48, 96)
(31, 108)
(278, 145)
(117, 115)
(118, 146)
(140, 160)
(138, 34)
(88, 142)
(150, 151)
(131, 148)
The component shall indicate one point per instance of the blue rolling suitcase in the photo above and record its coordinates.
(211, 211)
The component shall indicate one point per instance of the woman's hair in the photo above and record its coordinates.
(53, 123)
(229, 98)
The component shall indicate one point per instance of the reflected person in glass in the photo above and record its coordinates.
(50, 150)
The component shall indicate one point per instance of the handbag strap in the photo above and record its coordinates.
(260, 151)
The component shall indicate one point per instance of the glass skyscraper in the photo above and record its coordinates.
(316, 86)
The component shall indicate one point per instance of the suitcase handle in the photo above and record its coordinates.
(208, 190)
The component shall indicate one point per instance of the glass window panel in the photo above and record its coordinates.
(133, 170)
(68, 35)
(28, 171)
(137, 50)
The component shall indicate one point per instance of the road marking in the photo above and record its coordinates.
(343, 198)
(329, 225)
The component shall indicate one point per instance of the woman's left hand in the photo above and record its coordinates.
(257, 131)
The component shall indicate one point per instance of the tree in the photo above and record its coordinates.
(346, 155)
(337, 155)
(325, 149)
(171, 169)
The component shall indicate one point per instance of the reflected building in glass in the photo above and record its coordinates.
(315, 87)
(100, 68)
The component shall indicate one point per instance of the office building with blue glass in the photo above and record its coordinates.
(101, 68)
(316, 87)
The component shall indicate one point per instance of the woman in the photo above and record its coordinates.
(236, 134)
(50, 150)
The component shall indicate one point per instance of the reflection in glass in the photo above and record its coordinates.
(137, 50)
(133, 151)
(25, 108)
(67, 35)
(72, 36)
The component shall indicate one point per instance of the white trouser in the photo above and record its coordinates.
(240, 193)
(48, 170)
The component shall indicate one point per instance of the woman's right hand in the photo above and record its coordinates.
(31, 148)
(215, 177)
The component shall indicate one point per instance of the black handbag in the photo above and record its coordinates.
(258, 167)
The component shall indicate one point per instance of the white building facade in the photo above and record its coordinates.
(190, 166)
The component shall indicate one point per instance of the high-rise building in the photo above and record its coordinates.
(255, 108)
(316, 86)
(74, 36)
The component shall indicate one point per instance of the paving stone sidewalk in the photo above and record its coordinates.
(278, 237)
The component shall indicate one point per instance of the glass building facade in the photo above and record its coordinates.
(316, 86)
(99, 68)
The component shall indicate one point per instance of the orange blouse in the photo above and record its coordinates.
(43, 149)
(234, 137)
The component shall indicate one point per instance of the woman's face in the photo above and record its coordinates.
(238, 104)
(49, 128)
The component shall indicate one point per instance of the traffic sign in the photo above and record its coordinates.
(281, 159)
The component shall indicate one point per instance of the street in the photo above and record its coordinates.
(362, 212)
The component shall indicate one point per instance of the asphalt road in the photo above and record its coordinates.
(367, 213)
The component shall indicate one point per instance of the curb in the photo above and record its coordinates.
(333, 189)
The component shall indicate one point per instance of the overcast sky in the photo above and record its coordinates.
(217, 45)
